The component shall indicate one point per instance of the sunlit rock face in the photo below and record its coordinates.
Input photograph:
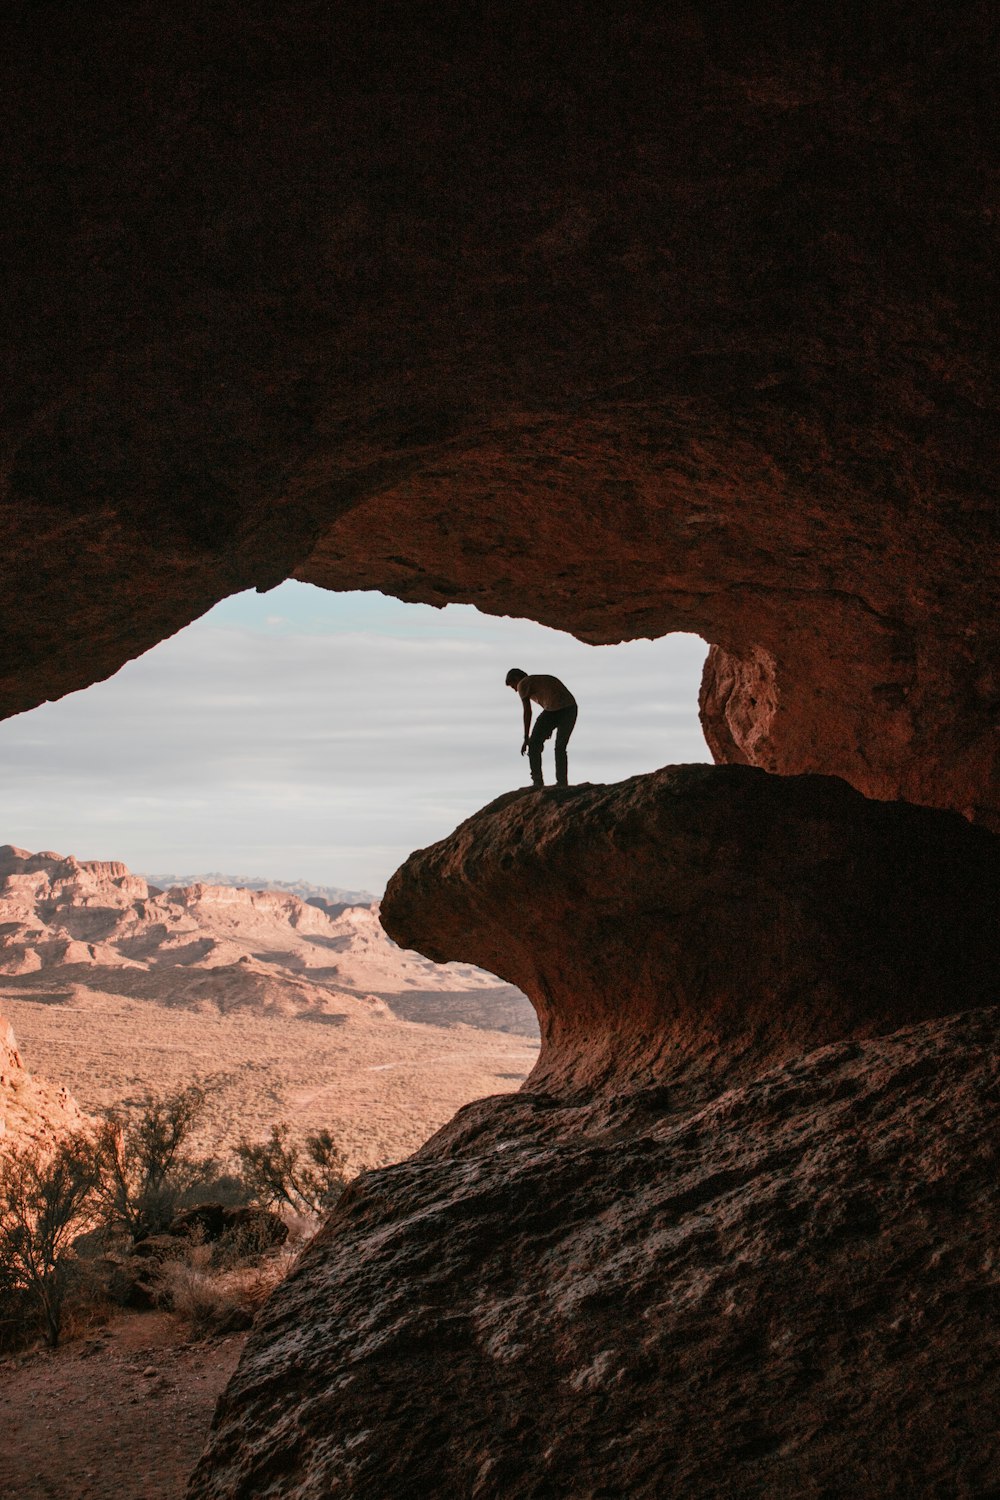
(736, 1234)
(695, 926)
(34, 1113)
(672, 320)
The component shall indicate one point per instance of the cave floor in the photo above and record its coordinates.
(121, 1413)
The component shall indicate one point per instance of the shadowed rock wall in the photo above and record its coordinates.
(682, 318)
(790, 1293)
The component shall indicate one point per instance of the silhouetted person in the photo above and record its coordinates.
(558, 714)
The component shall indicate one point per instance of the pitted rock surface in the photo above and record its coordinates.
(793, 1291)
(692, 927)
(735, 1237)
(679, 319)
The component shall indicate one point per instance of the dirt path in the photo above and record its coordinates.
(120, 1415)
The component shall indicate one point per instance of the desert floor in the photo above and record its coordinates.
(120, 1415)
(380, 1083)
(123, 1412)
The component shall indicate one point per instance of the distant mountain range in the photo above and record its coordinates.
(335, 895)
(90, 954)
(221, 942)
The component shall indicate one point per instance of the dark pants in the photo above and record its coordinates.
(560, 720)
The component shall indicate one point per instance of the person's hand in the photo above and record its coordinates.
(524, 748)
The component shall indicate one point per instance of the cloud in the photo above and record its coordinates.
(327, 740)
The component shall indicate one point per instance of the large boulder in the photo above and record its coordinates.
(692, 927)
(790, 1292)
(735, 1235)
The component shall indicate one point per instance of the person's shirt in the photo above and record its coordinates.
(548, 692)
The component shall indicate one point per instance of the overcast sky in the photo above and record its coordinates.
(302, 734)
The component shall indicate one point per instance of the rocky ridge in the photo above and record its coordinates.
(323, 896)
(64, 921)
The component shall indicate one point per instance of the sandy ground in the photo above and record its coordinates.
(123, 1413)
(381, 1084)
(120, 1415)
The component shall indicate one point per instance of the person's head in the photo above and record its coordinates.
(514, 676)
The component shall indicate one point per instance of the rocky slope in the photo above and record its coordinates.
(33, 1111)
(699, 1253)
(93, 924)
(792, 1292)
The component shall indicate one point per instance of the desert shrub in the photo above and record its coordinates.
(212, 1184)
(211, 1300)
(250, 1239)
(45, 1200)
(278, 1173)
(146, 1167)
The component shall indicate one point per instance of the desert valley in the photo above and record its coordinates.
(295, 1011)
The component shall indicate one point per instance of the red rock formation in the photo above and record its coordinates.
(677, 319)
(33, 1111)
(791, 1292)
(681, 318)
(701, 1253)
(692, 927)
(95, 924)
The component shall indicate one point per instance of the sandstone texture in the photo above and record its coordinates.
(735, 1235)
(682, 318)
(690, 927)
(792, 1292)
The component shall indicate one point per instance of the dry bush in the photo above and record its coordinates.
(211, 1300)
(280, 1174)
(145, 1162)
(45, 1200)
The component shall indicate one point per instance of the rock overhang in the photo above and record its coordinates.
(695, 926)
(503, 318)
(671, 321)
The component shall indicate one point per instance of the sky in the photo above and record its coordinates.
(307, 735)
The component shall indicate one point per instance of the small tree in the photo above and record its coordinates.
(276, 1173)
(44, 1203)
(145, 1161)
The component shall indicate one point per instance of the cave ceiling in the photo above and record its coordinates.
(675, 320)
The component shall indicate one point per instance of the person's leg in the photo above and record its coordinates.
(567, 719)
(544, 725)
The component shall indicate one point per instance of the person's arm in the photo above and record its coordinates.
(527, 722)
